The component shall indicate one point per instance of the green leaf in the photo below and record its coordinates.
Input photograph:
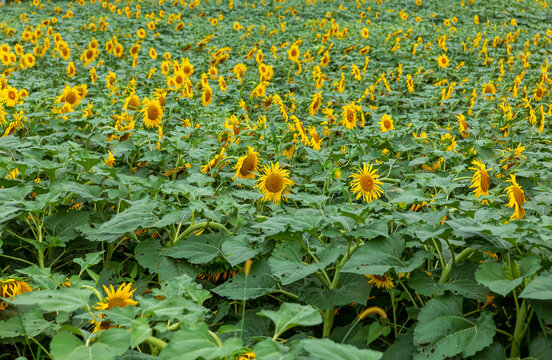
(110, 344)
(287, 265)
(351, 288)
(29, 324)
(258, 283)
(271, 350)
(492, 275)
(237, 249)
(442, 331)
(196, 342)
(539, 288)
(136, 216)
(541, 348)
(326, 349)
(139, 331)
(63, 299)
(291, 315)
(378, 256)
(198, 249)
(89, 260)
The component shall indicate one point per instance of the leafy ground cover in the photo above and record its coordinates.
(275, 180)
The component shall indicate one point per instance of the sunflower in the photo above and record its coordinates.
(365, 33)
(110, 160)
(539, 92)
(71, 69)
(274, 182)
(516, 198)
(293, 53)
(349, 115)
(386, 123)
(117, 298)
(10, 288)
(132, 102)
(489, 88)
(207, 96)
(153, 113)
(315, 104)
(247, 165)
(187, 67)
(443, 61)
(480, 180)
(11, 96)
(381, 281)
(70, 96)
(409, 83)
(365, 183)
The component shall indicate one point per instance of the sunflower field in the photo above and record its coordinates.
(275, 179)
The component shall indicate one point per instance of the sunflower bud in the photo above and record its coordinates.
(372, 310)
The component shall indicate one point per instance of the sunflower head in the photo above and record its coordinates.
(247, 165)
(516, 198)
(365, 183)
(480, 179)
(153, 113)
(274, 182)
(386, 123)
(381, 281)
(117, 298)
(443, 61)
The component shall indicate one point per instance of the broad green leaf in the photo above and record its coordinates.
(377, 256)
(271, 350)
(29, 324)
(442, 331)
(198, 249)
(541, 348)
(63, 299)
(258, 283)
(139, 331)
(196, 342)
(291, 315)
(287, 265)
(136, 216)
(326, 349)
(492, 275)
(539, 288)
(237, 249)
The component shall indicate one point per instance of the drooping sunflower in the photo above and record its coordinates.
(274, 182)
(381, 281)
(247, 165)
(365, 183)
(489, 88)
(386, 123)
(315, 103)
(516, 198)
(480, 179)
(117, 298)
(153, 112)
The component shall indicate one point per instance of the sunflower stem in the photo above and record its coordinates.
(204, 225)
(461, 257)
(158, 343)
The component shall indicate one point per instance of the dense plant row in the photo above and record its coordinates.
(275, 180)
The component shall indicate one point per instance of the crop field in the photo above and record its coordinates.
(275, 180)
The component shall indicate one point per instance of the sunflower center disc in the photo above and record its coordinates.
(274, 183)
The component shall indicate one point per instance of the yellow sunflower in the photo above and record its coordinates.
(10, 288)
(443, 61)
(365, 183)
(153, 113)
(381, 281)
(516, 198)
(480, 180)
(117, 298)
(247, 165)
(274, 182)
(293, 53)
(386, 123)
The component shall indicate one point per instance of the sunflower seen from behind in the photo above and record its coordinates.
(365, 183)
(274, 182)
(247, 165)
